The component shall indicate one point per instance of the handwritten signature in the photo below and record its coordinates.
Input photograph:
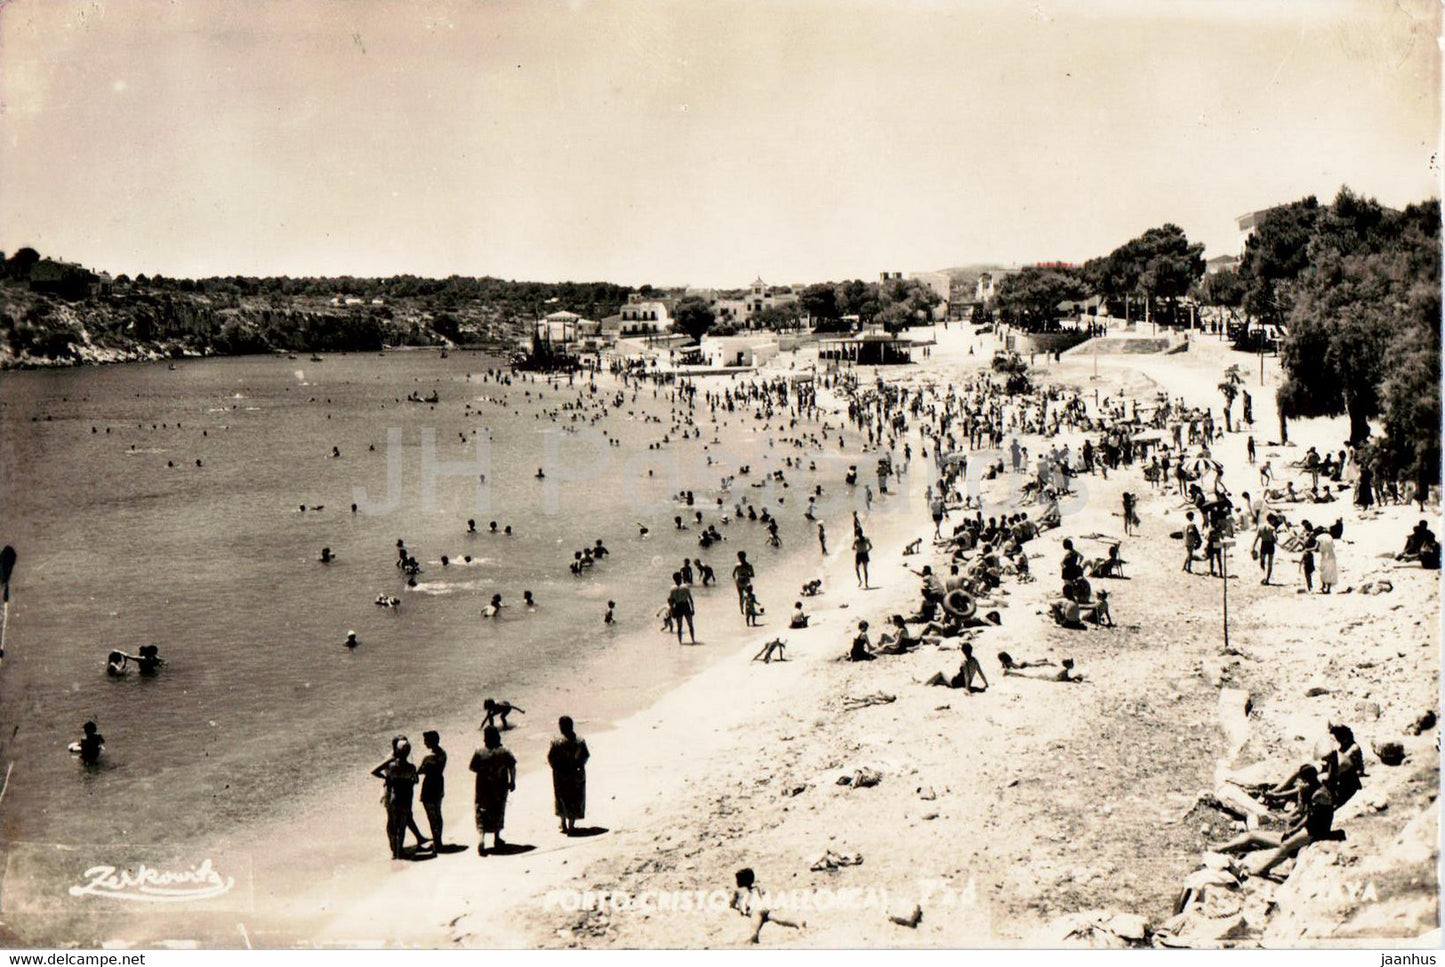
(148, 884)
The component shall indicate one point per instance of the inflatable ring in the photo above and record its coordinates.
(960, 604)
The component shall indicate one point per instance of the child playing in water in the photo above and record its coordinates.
(752, 607)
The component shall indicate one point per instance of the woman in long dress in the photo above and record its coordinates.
(496, 770)
(568, 759)
(1325, 554)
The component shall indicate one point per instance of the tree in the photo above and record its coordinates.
(858, 298)
(777, 317)
(1275, 255)
(694, 316)
(1029, 299)
(1371, 281)
(819, 302)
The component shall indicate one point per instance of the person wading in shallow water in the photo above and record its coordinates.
(680, 606)
(568, 759)
(743, 579)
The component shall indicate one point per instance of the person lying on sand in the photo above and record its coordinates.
(968, 671)
(750, 901)
(1012, 667)
(1066, 672)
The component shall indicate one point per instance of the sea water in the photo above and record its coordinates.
(124, 540)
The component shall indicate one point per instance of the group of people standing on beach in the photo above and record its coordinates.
(495, 770)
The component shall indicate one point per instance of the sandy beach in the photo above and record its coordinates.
(1002, 815)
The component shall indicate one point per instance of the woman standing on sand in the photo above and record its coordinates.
(568, 759)
(496, 770)
(1325, 556)
(400, 777)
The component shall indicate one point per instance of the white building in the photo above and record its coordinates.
(643, 316)
(983, 289)
(565, 327)
(942, 285)
(757, 298)
(738, 350)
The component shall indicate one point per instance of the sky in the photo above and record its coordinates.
(703, 143)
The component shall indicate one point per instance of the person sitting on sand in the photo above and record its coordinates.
(1065, 612)
(799, 618)
(1311, 824)
(748, 899)
(968, 670)
(497, 712)
(1111, 566)
(862, 649)
(813, 588)
(900, 640)
(1098, 612)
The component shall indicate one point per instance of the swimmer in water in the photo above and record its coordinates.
(528, 600)
(609, 618)
(540, 474)
(351, 641)
(493, 609)
(115, 663)
(498, 711)
(90, 745)
(446, 561)
(326, 556)
(471, 527)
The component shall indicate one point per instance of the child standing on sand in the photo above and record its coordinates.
(1307, 567)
